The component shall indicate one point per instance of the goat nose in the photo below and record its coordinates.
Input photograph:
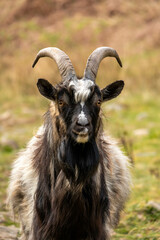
(82, 122)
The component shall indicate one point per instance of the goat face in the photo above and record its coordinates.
(79, 100)
(79, 105)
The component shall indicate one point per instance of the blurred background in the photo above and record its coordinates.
(78, 27)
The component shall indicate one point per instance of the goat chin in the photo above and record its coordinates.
(82, 138)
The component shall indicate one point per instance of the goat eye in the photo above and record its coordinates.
(98, 103)
(60, 103)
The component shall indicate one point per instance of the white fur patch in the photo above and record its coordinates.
(82, 105)
(24, 178)
(82, 118)
(82, 89)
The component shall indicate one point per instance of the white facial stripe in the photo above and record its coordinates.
(82, 117)
(82, 105)
(82, 89)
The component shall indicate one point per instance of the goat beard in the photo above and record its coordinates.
(78, 161)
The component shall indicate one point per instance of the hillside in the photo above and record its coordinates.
(137, 21)
(78, 27)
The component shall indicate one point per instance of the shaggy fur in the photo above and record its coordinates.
(49, 205)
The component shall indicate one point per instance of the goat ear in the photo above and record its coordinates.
(112, 90)
(46, 89)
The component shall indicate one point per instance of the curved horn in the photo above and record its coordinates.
(95, 58)
(64, 63)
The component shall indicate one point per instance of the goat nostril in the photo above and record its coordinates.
(78, 123)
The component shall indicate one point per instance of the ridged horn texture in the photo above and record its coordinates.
(64, 63)
(95, 58)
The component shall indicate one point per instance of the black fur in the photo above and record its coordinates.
(63, 214)
(112, 90)
(46, 89)
(83, 156)
(43, 157)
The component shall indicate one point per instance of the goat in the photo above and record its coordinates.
(71, 181)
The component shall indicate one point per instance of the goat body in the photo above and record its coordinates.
(71, 181)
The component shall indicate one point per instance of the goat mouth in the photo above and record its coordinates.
(82, 133)
(82, 136)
